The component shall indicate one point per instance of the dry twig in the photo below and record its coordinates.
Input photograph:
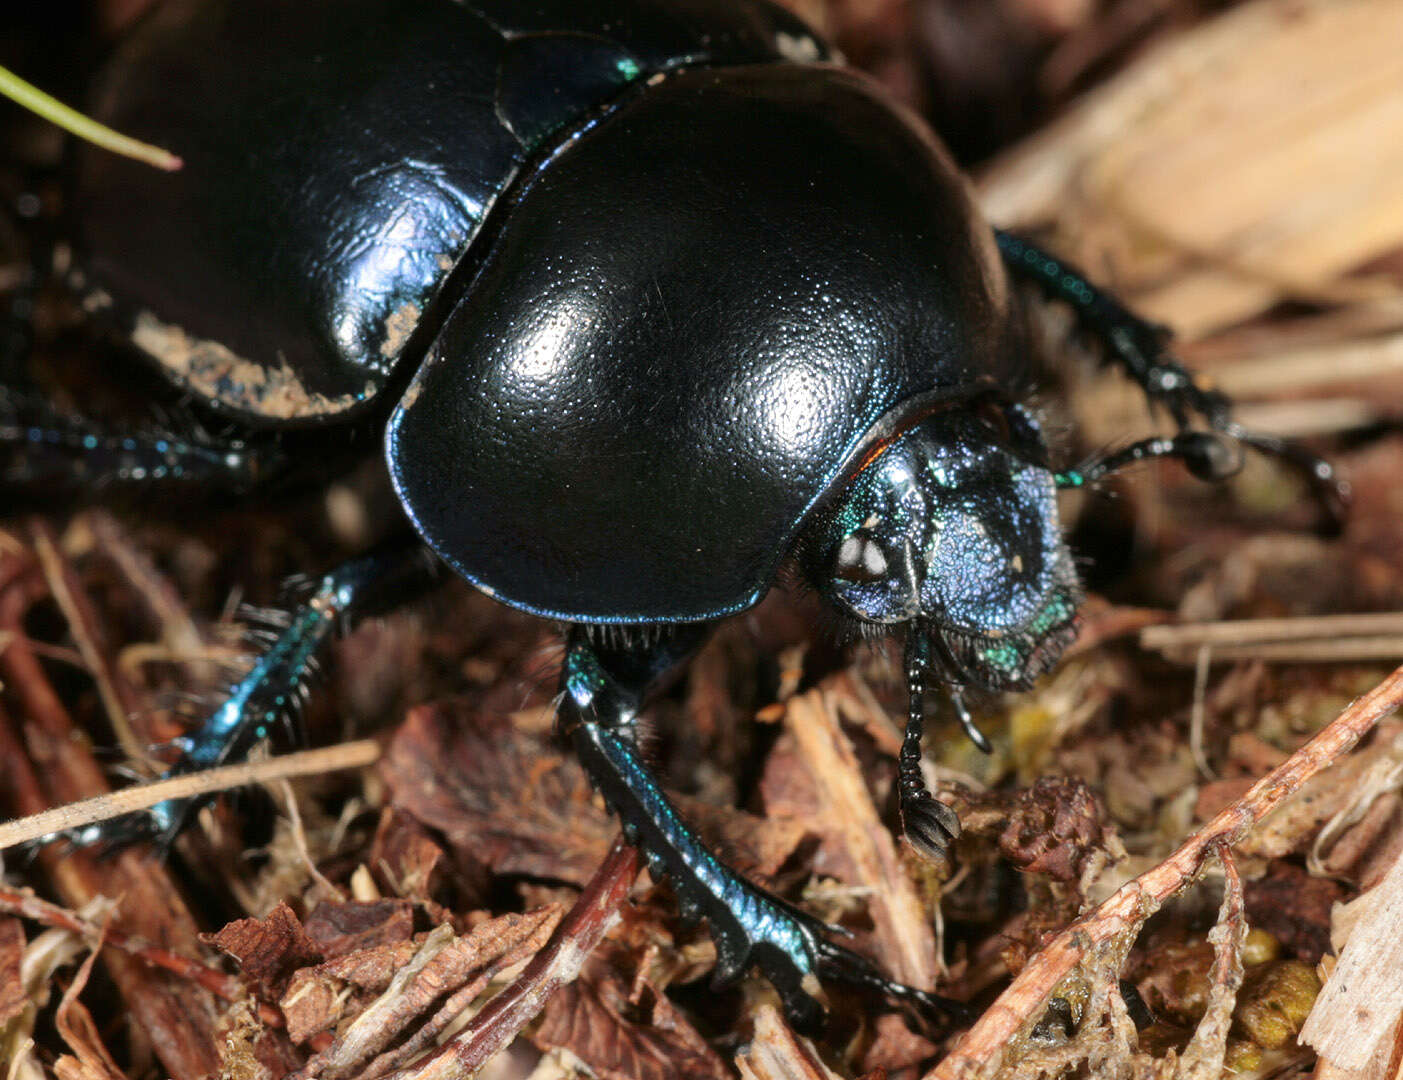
(1311, 639)
(983, 1049)
(556, 964)
(73, 815)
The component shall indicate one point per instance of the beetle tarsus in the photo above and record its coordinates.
(1331, 489)
(841, 965)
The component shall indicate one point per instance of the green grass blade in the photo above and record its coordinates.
(34, 99)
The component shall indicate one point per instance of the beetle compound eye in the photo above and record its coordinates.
(859, 560)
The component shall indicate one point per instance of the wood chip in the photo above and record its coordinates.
(776, 1053)
(1236, 165)
(1363, 998)
(905, 933)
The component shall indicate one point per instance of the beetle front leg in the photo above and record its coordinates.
(929, 825)
(1141, 349)
(373, 584)
(603, 691)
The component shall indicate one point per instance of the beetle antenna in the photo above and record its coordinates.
(1331, 489)
(1206, 455)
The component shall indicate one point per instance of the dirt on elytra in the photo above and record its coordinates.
(345, 937)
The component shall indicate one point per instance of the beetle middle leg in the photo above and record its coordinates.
(604, 689)
(373, 584)
(1140, 348)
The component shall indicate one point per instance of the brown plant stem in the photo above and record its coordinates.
(981, 1052)
(46, 764)
(558, 963)
(23, 903)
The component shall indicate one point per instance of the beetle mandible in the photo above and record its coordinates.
(647, 297)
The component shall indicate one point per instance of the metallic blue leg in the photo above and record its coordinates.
(46, 453)
(274, 686)
(603, 691)
(1141, 349)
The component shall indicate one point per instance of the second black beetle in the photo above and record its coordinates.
(648, 299)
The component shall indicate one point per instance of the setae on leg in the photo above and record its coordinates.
(373, 584)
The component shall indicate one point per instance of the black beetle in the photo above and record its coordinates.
(648, 298)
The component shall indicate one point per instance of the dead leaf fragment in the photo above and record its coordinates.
(417, 986)
(1294, 908)
(622, 1039)
(506, 799)
(92, 1060)
(896, 1047)
(511, 801)
(268, 950)
(340, 928)
(409, 860)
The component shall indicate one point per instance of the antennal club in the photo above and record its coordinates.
(1206, 455)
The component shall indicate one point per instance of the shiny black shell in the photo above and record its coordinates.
(693, 322)
(657, 279)
(341, 156)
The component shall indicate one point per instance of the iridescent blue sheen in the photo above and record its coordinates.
(699, 876)
(257, 702)
(261, 698)
(582, 676)
(273, 688)
(999, 553)
(959, 522)
(64, 452)
(599, 713)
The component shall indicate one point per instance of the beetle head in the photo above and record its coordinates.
(953, 528)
